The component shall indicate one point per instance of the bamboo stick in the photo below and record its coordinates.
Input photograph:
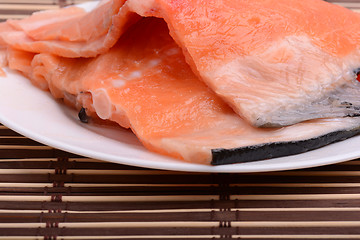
(31, 7)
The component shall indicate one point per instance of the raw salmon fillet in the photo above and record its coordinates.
(275, 62)
(144, 83)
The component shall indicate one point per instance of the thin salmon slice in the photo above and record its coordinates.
(72, 32)
(145, 84)
(51, 24)
(3, 61)
(4, 27)
(2, 72)
(21, 61)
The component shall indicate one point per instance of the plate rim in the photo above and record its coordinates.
(173, 165)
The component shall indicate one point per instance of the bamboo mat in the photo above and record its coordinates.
(48, 194)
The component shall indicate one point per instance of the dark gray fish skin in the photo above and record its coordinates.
(344, 101)
(83, 117)
(222, 156)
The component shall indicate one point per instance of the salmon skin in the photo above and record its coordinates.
(144, 83)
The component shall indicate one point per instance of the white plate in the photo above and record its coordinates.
(35, 114)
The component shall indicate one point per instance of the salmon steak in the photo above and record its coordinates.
(206, 83)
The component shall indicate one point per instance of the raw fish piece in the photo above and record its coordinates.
(276, 62)
(4, 27)
(2, 72)
(52, 24)
(21, 61)
(82, 35)
(144, 83)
